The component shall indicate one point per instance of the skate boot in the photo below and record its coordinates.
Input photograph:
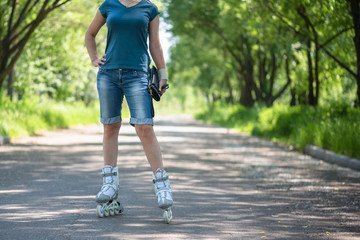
(163, 193)
(107, 197)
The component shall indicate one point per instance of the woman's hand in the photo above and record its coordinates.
(99, 61)
(161, 84)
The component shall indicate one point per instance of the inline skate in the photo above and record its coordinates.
(107, 196)
(163, 193)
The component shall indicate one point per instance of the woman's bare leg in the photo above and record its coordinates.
(151, 146)
(110, 143)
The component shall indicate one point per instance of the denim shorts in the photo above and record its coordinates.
(113, 85)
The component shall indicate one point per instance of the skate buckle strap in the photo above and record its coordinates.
(160, 179)
(109, 174)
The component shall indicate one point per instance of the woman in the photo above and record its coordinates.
(123, 71)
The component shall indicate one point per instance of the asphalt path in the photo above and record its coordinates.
(226, 185)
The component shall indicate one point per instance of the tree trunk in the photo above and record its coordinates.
(10, 83)
(230, 97)
(21, 28)
(270, 98)
(227, 77)
(249, 85)
(311, 97)
(246, 98)
(247, 72)
(262, 69)
(293, 97)
(292, 89)
(355, 12)
(11, 78)
(317, 81)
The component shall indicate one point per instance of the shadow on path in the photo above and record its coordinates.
(226, 186)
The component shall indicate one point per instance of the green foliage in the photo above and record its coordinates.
(201, 71)
(239, 48)
(29, 116)
(55, 62)
(335, 127)
(179, 99)
(232, 116)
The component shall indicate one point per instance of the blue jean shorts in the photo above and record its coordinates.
(113, 85)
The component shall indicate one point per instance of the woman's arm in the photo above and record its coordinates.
(156, 50)
(90, 43)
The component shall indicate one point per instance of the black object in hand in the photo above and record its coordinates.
(154, 81)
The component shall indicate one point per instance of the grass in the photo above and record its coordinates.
(28, 117)
(336, 128)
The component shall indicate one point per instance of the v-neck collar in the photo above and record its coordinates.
(130, 6)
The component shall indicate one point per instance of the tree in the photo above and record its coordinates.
(55, 63)
(320, 24)
(241, 30)
(18, 21)
(355, 13)
(311, 47)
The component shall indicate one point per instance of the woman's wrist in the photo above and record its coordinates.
(163, 74)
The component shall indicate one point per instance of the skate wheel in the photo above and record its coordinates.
(106, 213)
(99, 211)
(119, 209)
(112, 212)
(167, 215)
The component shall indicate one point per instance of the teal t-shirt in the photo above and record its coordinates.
(126, 45)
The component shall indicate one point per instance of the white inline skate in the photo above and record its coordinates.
(107, 197)
(163, 193)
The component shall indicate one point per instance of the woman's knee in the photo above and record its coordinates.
(144, 130)
(112, 129)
